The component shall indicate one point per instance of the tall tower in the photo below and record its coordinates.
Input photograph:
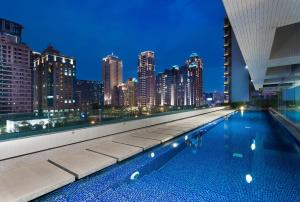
(167, 86)
(160, 83)
(54, 82)
(227, 60)
(132, 91)
(15, 70)
(195, 72)
(112, 68)
(237, 82)
(146, 78)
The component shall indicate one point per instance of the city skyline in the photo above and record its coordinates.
(88, 43)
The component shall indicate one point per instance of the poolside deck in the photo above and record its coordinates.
(57, 167)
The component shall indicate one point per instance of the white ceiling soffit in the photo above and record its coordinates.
(254, 23)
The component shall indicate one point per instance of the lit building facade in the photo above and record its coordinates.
(54, 82)
(146, 78)
(190, 82)
(172, 80)
(15, 70)
(167, 87)
(122, 95)
(160, 83)
(195, 78)
(132, 87)
(112, 68)
(89, 94)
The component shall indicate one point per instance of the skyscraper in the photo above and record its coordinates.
(237, 85)
(190, 87)
(112, 68)
(195, 74)
(132, 91)
(146, 78)
(172, 80)
(15, 70)
(54, 82)
(167, 87)
(160, 86)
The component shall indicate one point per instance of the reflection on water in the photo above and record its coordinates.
(195, 142)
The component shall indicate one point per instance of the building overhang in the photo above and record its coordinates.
(268, 34)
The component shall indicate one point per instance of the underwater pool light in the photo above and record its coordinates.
(253, 146)
(186, 137)
(175, 144)
(248, 178)
(152, 154)
(135, 175)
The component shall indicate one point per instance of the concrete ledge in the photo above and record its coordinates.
(23, 146)
(153, 136)
(32, 181)
(137, 141)
(115, 150)
(289, 125)
(82, 163)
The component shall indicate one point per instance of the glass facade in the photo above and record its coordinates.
(288, 100)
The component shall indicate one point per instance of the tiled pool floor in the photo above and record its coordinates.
(245, 158)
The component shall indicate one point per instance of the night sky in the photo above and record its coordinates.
(91, 29)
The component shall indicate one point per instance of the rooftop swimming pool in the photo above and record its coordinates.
(246, 157)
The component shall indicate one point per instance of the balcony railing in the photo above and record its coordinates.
(23, 125)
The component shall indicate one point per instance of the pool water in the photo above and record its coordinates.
(247, 157)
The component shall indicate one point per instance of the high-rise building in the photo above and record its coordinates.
(89, 94)
(195, 76)
(160, 83)
(15, 70)
(167, 87)
(54, 82)
(172, 80)
(146, 78)
(236, 77)
(132, 91)
(123, 95)
(190, 82)
(112, 68)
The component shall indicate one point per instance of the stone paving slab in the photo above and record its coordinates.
(173, 133)
(82, 163)
(31, 181)
(177, 129)
(137, 141)
(115, 150)
(153, 136)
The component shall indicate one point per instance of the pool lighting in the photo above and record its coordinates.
(186, 137)
(152, 154)
(242, 108)
(135, 175)
(249, 178)
(253, 146)
(175, 144)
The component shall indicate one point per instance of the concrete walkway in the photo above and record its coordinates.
(27, 177)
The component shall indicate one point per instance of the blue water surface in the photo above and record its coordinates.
(247, 157)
